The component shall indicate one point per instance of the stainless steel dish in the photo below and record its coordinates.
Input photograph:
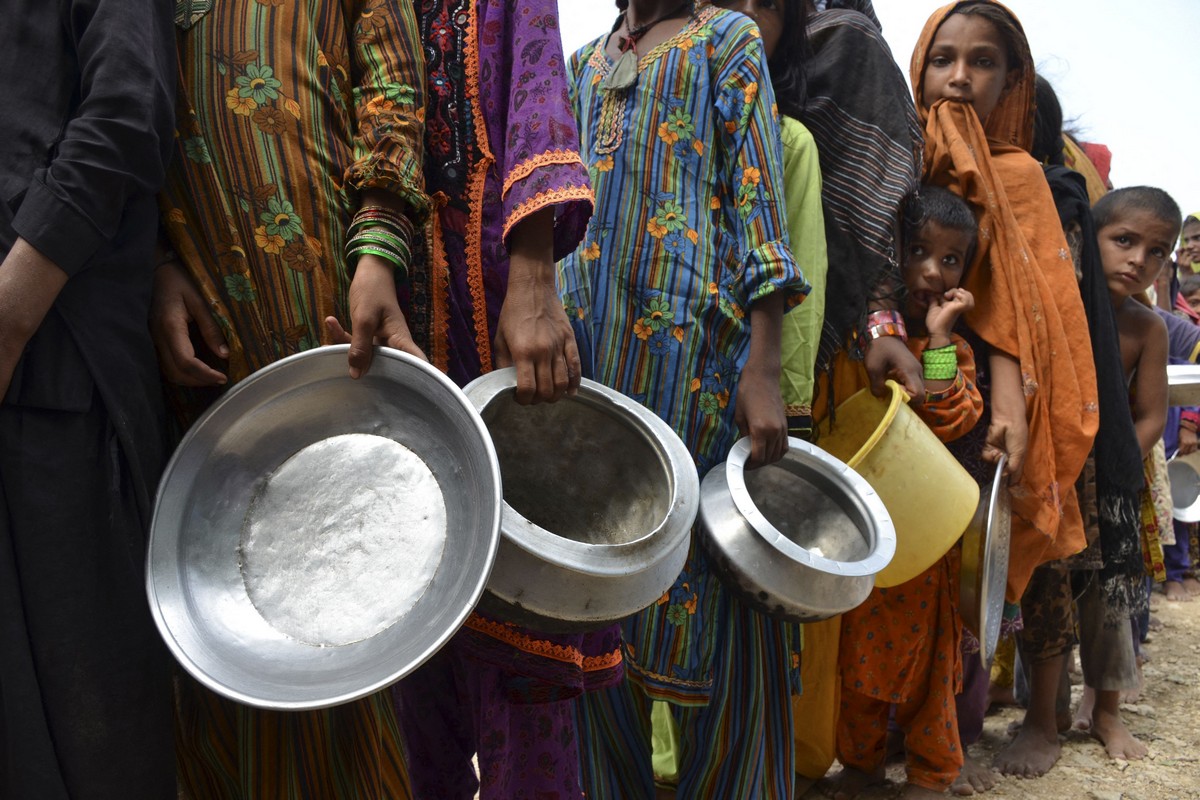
(1183, 385)
(983, 575)
(600, 496)
(194, 578)
(1184, 475)
(800, 539)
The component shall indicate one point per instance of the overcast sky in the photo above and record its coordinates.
(1121, 68)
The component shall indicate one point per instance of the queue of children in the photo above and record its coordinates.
(732, 212)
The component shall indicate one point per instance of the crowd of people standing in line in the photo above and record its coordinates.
(734, 212)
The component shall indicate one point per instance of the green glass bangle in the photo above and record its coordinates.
(940, 364)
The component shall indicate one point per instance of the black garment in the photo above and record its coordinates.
(86, 122)
(85, 692)
(1119, 477)
(861, 115)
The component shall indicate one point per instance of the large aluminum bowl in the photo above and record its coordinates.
(194, 579)
(983, 576)
(800, 539)
(600, 496)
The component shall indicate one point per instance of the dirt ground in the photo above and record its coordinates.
(1166, 717)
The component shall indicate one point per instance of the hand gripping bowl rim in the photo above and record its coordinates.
(551, 547)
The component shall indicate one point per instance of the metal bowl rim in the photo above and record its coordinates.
(561, 551)
(877, 515)
(339, 352)
(1189, 513)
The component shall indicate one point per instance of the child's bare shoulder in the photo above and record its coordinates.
(1138, 317)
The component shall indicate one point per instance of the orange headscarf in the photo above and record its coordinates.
(1027, 301)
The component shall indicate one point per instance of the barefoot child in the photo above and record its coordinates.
(1136, 228)
(973, 78)
(901, 647)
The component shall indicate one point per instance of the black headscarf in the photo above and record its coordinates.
(1119, 476)
(861, 114)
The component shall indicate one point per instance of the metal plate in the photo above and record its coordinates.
(983, 576)
(1184, 475)
(194, 579)
(1183, 385)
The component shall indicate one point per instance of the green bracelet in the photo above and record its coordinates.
(941, 363)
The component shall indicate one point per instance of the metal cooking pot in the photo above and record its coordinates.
(1184, 474)
(198, 594)
(983, 575)
(800, 539)
(600, 496)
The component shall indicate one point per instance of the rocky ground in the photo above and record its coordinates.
(1166, 717)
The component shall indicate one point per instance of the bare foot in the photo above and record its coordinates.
(849, 783)
(975, 778)
(1118, 741)
(1135, 694)
(1083, 715)
(1030, 755)
(1191, 585)
(914, 792)
(802, 785)
(1176, 593)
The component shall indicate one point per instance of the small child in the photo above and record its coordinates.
(902, 646)
(1136, 229)
(1189, 290)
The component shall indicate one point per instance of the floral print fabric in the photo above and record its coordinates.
(689, 231)
(286, 109)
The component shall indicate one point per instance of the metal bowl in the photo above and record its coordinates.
(600, 496)
(983, 575)
(195, 582)
(1184, 475)
(1183, 385)
(801, 539)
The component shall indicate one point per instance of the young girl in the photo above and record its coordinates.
(901, 648)
(972, 76)
(678, 292)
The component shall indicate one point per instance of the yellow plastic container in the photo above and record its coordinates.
(930, 496)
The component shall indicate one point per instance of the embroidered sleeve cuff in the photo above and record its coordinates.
(572, 200)
(397, 172)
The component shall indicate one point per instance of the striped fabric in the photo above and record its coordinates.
(230, 752)
(284, 111)
(689, 230)
(739, 745)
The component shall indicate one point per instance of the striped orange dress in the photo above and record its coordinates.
(286, 110)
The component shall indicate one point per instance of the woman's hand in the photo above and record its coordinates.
(888, 357)
(175, 304)
(533, 333)
(375, 316)
(1009, 429)
(758, 410)
(759, 414)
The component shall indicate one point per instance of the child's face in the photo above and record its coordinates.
(1193, 300)
(933, 265)
(1134, 247)
(767, 14)
(1189, 252)
(967, 62)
